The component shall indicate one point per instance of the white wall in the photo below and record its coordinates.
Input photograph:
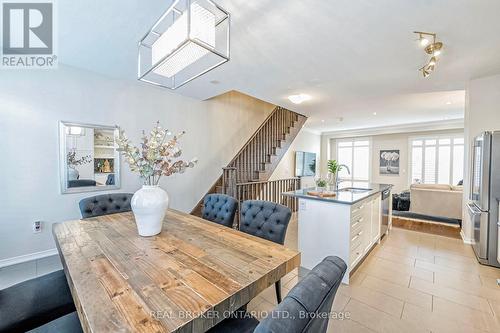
(482, 113)
(305, 141)
(32, 104)
(389, 142)
(380, 142)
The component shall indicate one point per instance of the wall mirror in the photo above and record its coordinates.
(89, 160)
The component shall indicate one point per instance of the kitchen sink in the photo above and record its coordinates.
(355, 189)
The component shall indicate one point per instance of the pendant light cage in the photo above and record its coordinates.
(190, 39)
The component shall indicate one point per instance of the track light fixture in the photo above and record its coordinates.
(432, 47)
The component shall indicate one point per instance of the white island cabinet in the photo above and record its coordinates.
(346, 226)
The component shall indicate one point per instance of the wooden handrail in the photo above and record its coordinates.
(270, 191)
(267, 181)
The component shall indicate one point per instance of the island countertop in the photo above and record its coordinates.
(342, 197)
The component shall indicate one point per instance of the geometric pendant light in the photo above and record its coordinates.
(190, 39)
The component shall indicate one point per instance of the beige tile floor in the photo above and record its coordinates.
(411, 282)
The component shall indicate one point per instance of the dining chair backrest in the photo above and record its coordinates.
(265, 219)
(33, 303)
(110, 180)
(308, 306)
(219, 208)
(105, 204)
(81, 183)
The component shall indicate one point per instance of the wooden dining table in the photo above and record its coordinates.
(186, 279)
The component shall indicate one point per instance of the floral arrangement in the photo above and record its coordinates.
(157, 156)
(390, 156)
(73, 161)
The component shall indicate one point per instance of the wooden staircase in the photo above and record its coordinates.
(259, 157)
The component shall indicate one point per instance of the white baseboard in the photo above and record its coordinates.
(466, 240)
(27, 257)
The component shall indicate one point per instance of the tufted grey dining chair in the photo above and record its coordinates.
(105, 204)
(306, 308)
(219, 208)
(266, 220)
(38, 304)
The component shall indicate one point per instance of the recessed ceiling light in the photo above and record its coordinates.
(448, 103)
(374, 113)
(322, 120)
(299, 98)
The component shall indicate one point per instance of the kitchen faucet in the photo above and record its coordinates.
(337, 182)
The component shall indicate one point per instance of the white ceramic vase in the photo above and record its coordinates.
(73, 174)
(149, 205)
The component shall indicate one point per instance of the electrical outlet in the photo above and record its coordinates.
(37, 227)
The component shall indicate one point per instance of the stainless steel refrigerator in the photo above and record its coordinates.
(484, 201)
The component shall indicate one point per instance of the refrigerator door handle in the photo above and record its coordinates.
(473, 209)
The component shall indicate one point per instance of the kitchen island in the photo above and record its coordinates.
(344, 222)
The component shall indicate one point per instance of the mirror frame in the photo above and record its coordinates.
(63, 162)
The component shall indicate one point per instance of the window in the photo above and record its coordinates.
(355, 153)
(438, 160)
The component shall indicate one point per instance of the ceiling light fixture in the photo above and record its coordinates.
(423, 40)
(433, 48)
(448, 103)
(299, 98)
(190, 39)
(374, 113)
(427, 70)
(75, 131)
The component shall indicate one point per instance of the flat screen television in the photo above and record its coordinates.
(305, 164)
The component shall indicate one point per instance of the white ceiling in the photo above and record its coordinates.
(354, 57)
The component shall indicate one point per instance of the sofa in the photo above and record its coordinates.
(437, 200)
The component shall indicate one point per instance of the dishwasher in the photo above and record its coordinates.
(385, 212)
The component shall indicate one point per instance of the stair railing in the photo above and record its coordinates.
(250, 165)
(257, 151)
(270, 191)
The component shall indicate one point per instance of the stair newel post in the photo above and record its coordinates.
(229, 175)
(236, 225)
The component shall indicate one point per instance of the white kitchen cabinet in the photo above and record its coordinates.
(333, 228)
(365, 228)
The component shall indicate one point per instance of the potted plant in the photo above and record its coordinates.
(333, 169)
(321, 183)
(158, 155)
